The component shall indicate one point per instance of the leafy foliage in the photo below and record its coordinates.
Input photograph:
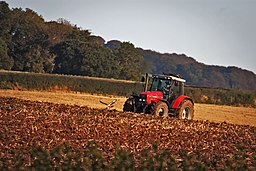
(80, 58)
(34, 81)
(28, 43)
(6, 62)
(52, 82)
(232, 97)
(131, 61)
(199, 74)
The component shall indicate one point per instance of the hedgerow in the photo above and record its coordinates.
(93, 85)
(35, 81)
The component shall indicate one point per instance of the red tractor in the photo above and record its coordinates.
(164, 98)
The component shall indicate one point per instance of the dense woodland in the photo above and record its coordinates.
(29, 43)
(199, 74)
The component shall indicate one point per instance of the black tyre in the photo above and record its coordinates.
(186, 110)
(128, 106)
(161, 109)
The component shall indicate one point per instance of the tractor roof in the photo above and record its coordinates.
(169, 77)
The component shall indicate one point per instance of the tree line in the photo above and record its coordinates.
(28, 43)
(199, 74)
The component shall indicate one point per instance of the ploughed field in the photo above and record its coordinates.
(26, 124)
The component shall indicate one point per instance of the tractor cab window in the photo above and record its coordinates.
(170, 88)
(160, 84)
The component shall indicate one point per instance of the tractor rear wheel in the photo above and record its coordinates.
(186, 110)
(161, 109)
(128, 106)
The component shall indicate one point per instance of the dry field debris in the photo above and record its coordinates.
(25, 124)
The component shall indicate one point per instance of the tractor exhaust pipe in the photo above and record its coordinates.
(181, 88)
(146, 79)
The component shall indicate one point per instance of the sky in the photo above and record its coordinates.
(214, 32)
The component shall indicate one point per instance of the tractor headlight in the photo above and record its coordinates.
(143, 98)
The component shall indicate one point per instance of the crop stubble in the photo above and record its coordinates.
(25, 124)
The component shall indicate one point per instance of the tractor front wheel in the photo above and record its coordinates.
(128, 105)
(161, 109)
(186, 110)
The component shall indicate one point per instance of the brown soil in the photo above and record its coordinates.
(26, 124)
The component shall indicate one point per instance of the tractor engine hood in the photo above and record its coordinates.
(152, 96)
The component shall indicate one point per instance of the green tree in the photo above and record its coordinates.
(39, 60)
(56, 32)
(5, 13)
(130, 61)
(84, 58)
(26, 33)
(6, 62)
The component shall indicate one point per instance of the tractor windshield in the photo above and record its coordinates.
(159, 84)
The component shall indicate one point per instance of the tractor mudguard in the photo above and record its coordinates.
(179, 100)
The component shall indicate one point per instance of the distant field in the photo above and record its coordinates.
(10, 80)
(216, 113)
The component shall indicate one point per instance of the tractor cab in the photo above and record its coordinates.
(163, 95)
(170, 86)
